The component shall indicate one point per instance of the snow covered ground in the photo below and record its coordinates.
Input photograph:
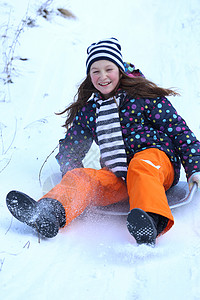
(95, 258)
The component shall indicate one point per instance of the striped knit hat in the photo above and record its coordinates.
(108, 49)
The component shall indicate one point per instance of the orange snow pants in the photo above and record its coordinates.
(150, 174)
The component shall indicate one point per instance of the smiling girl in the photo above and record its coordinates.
(105, 77)
(142, 142)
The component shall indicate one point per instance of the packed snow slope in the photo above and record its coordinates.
(95, 257)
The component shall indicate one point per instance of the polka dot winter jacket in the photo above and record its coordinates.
(146, 123)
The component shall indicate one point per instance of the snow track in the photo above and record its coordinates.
(94, 258)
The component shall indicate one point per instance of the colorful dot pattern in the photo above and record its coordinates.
(131, 71)
(146, 123)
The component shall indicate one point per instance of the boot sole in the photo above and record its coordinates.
(24, 209)
(141, 227)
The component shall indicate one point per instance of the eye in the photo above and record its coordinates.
(109, 70)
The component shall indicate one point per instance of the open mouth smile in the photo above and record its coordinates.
(104, 84)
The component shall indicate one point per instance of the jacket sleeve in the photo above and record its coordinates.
(165, 118)
(75, 145)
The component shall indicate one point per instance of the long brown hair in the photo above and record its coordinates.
(136, 87)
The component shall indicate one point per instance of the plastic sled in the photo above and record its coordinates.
(177, 196)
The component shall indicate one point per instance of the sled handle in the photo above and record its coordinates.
(188, 198)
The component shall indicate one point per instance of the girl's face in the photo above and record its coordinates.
(105, 76)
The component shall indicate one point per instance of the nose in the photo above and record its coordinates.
(103, 75)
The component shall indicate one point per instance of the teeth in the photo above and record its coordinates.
(104, 83)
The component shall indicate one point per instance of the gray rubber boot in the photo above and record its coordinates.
(142, 227)
(46, 216)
